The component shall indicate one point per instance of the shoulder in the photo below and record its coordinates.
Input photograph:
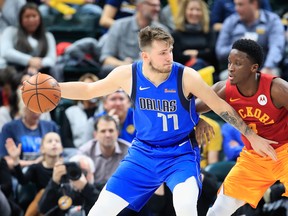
(49, 35)
(86, 147)
(231, 20)
(279, 92)
(50, 124)
(121, 72)
(10, 30)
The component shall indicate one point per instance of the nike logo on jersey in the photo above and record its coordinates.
(143, 88)
(234, 99)
(181, 144)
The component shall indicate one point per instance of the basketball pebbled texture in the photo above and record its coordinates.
(41, 93)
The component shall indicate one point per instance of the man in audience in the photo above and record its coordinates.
(106, 150)
(251, 22)
(120, 44)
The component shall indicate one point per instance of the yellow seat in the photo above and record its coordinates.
(207, 74)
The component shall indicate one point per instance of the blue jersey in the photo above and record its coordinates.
(162, 114)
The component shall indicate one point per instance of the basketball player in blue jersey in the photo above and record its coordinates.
(165, 149)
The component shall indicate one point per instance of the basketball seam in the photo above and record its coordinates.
(39, 82)
(38, 102)
(41, 89)
(47, 98)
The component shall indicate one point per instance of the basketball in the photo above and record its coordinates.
(41, 93)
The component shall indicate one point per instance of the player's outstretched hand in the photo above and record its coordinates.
(204, 132)
(263, 147)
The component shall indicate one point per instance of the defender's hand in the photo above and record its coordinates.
(204, 132)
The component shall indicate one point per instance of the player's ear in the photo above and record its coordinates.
(254, 68)
(144, 55)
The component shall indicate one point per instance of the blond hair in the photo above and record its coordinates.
(180, 17)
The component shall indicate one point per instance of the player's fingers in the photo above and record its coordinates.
(271, 153)
(261, 153)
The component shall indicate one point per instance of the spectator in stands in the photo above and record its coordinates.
(117, 105)
(115, 9)
(74, 194)
(7, 190)
(194, 40)
(11, 108)
(105, 149)
(40, 173)
(9, 17)
(9, 13)
(29, 131)
(221, 9)
(79, 7)
(120, 45)
(29, 46)
(232, 142)
(76, 117)
(250, 22)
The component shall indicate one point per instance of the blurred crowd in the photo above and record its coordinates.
(56, 163)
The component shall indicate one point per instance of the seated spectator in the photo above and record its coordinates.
(194, 40)
(76, 117)
(9, 13)
(232, 142)
(120, 45)
(9, 17)
(79, 7)
(12, 106)
(117, 105)
(115, 9)
(40, 173)
(74, 193)
(106, 150)
(251, 22)
(29, 131)
(7, 190)
(221, 9)
(29, 46)
(4, 205)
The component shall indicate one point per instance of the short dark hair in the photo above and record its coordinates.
(251, 48)
(149, 34)
(106, 118)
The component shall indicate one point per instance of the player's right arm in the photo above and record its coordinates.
(120, 77)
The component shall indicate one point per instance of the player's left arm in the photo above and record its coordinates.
(279, 93)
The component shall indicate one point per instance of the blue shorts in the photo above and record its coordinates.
(146, 167)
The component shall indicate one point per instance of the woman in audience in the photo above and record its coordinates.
(12, 105)
(39, 173)
(194, 40)
(29, 46)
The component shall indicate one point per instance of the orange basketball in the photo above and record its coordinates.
(41, 93)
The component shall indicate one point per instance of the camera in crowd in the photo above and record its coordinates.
(74, 171)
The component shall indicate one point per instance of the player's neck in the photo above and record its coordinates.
(153, 76)
(250, 87)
